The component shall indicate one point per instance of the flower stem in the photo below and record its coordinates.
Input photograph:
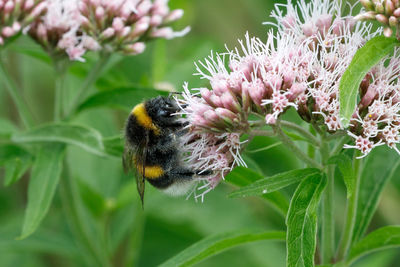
(25, 114)
(301, 131)
(292, 146)
(60, 69)
(346, 240)
(328, 223)
(90, 79)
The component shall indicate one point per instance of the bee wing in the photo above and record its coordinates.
(133, 158)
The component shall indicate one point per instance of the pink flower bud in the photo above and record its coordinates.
(7, 31)
(388, 32)
(289, 21)
(107, 33)
(135, 49)
(118, 24)
(90, 43)
(389, 7)
(206, 95)
(9, 7)
(165, 32)
(100, 13)
(393, 21)
(309, 29)
(141, 26)
(379, 7)
(173, 15)
(38, 10)
(296, 90)
(324, 22)
(229, 102)
(211, 116)
(224, 113)
(382, 19)
(368, 97)
(144, 7)
(216, 100)
(76, 53)
(160, 7)
(219, 85)
(94, 3)
(270, 119)
(28, 4)
(397, 12)
(16, 26)
(156, 20)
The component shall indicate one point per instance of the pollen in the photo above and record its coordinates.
(150, 172)
(139, 111)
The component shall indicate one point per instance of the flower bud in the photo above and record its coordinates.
(107, 33)
(229, 102)
(206, 95)
(135, 49)
(173, 16)
(118, 24)
(382, 19)
(389, 7)
(270, 119)
(393, 21)
(387, 32)
(367, 4)
(397, 12)
(7, 31)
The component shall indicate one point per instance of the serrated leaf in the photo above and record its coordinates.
(383, 238)
(216, 244)
(301, 221)
(380, 167)
(122, 98)
(365, 58)
(43, 182)
(274, 183)
(241, 176)
(345, 166)
(84, 137)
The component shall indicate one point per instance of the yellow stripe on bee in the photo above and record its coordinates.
(139, 111)
(150, 172)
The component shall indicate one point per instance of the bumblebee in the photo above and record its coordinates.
(151, 147)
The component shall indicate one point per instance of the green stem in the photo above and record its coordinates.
(292, 146)
(301, 131)
(90, 79)
(339, 145)
(70, 198)
(347, 236)
(25, 114)
(262, 133)
(328, 223)
(60, 69)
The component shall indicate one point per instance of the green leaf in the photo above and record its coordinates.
(215, 244)
(92, 199)
(114, 146)
(383, 238)
(380, 167)
(45, 176)
(6, 128)
(87, 138)
(301, 221)
(241, 176)
(345, 166)
(274, 183)
(364, 59)
(122, 98)
(16, 162)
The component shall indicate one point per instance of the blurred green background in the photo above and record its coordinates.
(167, 225)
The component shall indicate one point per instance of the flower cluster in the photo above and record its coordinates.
(77, 26)
(124, 25)
(387, 12)
(299, 66)
(16, 15)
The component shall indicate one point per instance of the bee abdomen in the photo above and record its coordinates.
(151, 172)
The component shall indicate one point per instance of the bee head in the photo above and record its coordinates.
(160, 109)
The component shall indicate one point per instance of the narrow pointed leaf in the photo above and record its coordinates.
(383, 238)
(274, 183)
(213, 245)
(301, 221)
(345, 166)
(15, 161)
(43, 182)
(365, 58)
(241, 176)
(87, 138)
(114, 146)
(381, 165)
